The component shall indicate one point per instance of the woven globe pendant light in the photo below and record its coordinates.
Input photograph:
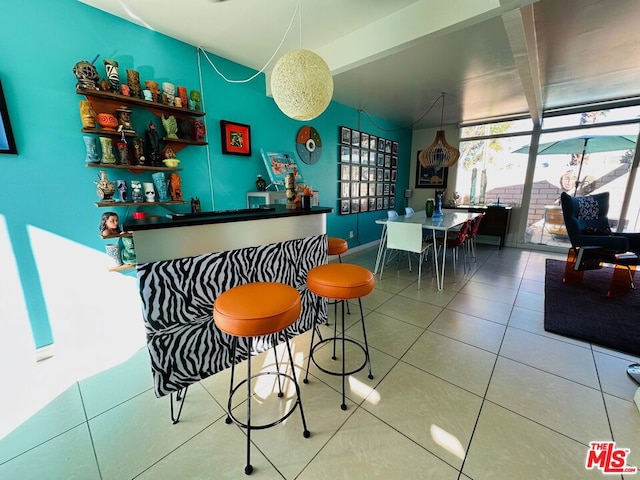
(301, 84)
(439, 153)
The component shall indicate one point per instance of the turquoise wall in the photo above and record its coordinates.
(47, 216)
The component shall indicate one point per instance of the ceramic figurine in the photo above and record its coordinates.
(126, 91)
(138, 151)
(199, 130)
(152, 145)
(109, 224)
(177, 102)
(113, 252)
(123, 190)
(175, 183)
(170, 124)
(127, 252)
(182, 94)
(184, 128)
(261, 184)
(195, 98)
(92, 150)
(123, 151)
(146, 94)
(169, 90)
(104, 85)
(107, 151)
(136, 191)
(123, 115)
(105, 187)
(133, 80)
(195, 205)
(87, 114)
(87, 75)
(107, 121)
(152, 86)
(160, 181)
(149, 192)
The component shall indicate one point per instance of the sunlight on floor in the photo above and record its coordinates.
(447, 441)
(96, 325)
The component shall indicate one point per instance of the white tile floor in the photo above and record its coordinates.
(467, 385)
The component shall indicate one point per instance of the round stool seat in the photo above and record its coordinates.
(337, 246)
(256, 309)
(341, 281)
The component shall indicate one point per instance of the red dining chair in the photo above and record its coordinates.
(471, 238)
(456, 239)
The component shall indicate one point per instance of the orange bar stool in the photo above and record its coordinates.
(255, 310)
(340, 282)
(337, 246)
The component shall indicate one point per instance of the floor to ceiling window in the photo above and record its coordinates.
(495, 157)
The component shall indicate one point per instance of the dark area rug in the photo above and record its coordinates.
(584, 312)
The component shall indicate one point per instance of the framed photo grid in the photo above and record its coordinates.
(367, 172)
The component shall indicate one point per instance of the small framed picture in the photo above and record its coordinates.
(364, 174)
(372, 204)
(345, 189)
(386, 189)
(364, 189)
(394, 148)
(380, 159)
(379, 174)
(355, 155)
(392, 202)
(385, 203)
(345, 170)
(345, 154)
(364, 204)
(378, 203)
(355, 205)
(345, 135)
(373, 142)
(355, 190)
(392, 190)
(387, 161)
(394, 175)
(364, 140)
(387, 146)
(394, 161)
(345, 207)
(379, 187)
(236, 138)
(381, 143)
(355, 172)
(372, 158)
(387, 175)
(355, 138)
(364, 157)
(372, 174)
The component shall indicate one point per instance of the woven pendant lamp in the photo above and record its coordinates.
(439, 153)
(301, 84)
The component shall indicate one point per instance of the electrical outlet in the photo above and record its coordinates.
(351, 235)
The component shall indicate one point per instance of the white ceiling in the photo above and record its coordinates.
(393, 58)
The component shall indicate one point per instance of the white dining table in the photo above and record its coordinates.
(450, 220)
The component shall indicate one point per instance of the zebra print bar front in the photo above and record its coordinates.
(177, 301)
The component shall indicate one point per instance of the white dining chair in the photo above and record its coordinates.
(406, 237)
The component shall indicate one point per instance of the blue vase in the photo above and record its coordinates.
(437, 213)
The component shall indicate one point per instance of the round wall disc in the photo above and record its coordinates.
(309, 144)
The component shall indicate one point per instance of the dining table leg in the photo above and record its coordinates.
(383, 241)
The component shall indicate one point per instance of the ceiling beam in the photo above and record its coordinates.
(520, 27)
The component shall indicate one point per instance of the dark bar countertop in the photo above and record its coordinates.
(218, 216)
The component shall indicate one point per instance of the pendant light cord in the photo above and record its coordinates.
(246, 80)
(410, 125)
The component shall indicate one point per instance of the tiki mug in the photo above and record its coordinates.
(160, 182)
(133, 80)
(107, 151)
(113, 77)
(92, 150)
(87, 114)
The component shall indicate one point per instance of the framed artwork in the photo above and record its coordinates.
(355, 190)
(380, 159)
(373, 142)
(355, 172)
(355, 205)
(345, 170)
(236, 138)
(364, 189)
(278, 164)
(430, 177)
(345, 207)
(381, 144)
(345, 154)
(355, 155)
(345, 135)
(392, 202)
(364, 174)
(387, 175)
(345, 189)
(364, 157)
(372, 158)
(379, 203)
(364, 204)
(372, 204)
(7, 141)
(355, 138)
(364, 140)
(372, 174)
(394, 148)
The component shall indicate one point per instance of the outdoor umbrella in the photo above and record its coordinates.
(584, 144)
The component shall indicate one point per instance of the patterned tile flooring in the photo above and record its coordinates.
(467, 385)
